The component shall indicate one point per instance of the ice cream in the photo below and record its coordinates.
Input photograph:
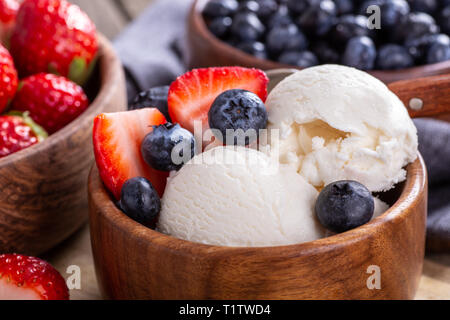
(239, 197)
(339, 123)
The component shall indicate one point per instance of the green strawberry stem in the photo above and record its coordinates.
(37, 129)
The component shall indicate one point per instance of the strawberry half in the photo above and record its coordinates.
(117, 147)
(29, 278)
(192, 94)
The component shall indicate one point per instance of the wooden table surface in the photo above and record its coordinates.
(111, 16)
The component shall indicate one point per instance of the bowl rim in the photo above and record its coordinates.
(101, 203)
(199, 22)
(108, 62)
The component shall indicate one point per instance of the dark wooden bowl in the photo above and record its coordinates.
(206, 50)
(134, 262)
(43, 197)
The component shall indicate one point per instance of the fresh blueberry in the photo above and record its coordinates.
(139, 200)
(344, 205)
(303, 59)
(414, 26)
(393, 56)
(238, 115)
(266, 8)
(297, 7)
(418, 48)
(344, 6)
(360, 53)
(220, 8)
(168, 147)
(285, 38)
(257, 49)
(280, 18)
(349, 26)
(153, 98)
(319, 18)
(444, 19)
(220, 26)
(249, 6)
(247, 26)
(393, 12)
(427, 6)
(439, 51)
(325, 52)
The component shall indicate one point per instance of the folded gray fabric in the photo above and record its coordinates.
(149, 49)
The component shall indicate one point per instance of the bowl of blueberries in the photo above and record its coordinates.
(395, 40)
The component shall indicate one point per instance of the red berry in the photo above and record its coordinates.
(117, 147)
(54, 36)
(53, 101)
(29, 278)
(192, 94)
(8, 78)
(8, 10)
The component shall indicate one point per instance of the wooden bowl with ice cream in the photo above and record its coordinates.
(382, 259)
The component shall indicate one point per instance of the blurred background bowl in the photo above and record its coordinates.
(44, 196)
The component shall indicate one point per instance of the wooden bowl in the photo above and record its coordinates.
(44, 194)
(134, 262)
(206, 50)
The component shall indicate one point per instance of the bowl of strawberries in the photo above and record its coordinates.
(56, 74)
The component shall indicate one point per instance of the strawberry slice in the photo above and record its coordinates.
(192, 94)
(29, 278)
(117, 147)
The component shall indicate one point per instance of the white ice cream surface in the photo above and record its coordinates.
(251, 203)
(339, 123)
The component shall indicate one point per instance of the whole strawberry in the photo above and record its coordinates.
(52, 101)
(8, 12)
(8, 78)
(17, 132)
(54, 36)
(28, 278)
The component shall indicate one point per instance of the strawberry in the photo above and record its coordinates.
(54, 36)
(29, 278)
(17, 132)
(192, 94)
(8, 12)
(117, 147)
(53, 101)
(8, 78)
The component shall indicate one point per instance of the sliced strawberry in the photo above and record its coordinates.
(29, 278)
(117, 147)
(192, 94)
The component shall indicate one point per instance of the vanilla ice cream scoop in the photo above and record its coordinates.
(239, 197)
(339, 123)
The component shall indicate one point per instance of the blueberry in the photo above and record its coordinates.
(427, 6)
(344, 205)
(303, 59)
(280, 17)
(393, 12)
(444, 19)
(415, 25)
(254, 48)
(319, 18)
(238, 115)
(168, 147)
(349, 26)
(393, 56)
(220, 8)
(344, 6)
(266, 8)
(360, 53)
(284, 38)
(439, 51)
(249, 6)
(418, 48)
(297, 7)
(325, 52)
(139, 200)
(220, 26)
(247, 26)
(153, 98)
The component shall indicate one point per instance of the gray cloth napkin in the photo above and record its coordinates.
(151, 51)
